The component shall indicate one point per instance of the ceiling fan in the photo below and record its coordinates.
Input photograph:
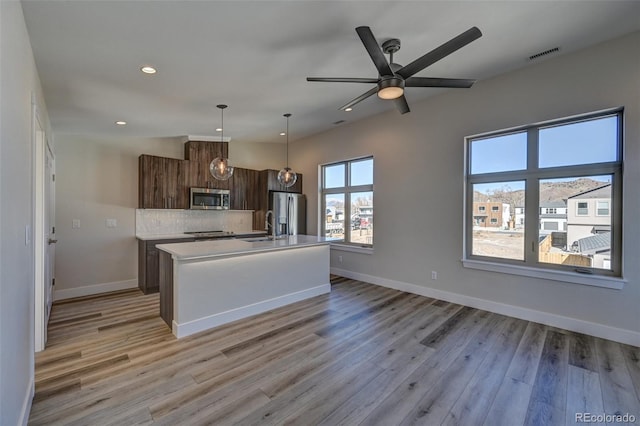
(393, 78)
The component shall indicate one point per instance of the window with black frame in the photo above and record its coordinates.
(347, 201)
(566, 175)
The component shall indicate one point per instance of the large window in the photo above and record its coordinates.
(347, 201)
(573, 165)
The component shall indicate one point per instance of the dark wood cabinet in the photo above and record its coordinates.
(200, 154)
(165, 281)
(273, 184)
(148, 263)
(162, 183)
(243, 186)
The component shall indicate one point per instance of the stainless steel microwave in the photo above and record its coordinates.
(209, 199)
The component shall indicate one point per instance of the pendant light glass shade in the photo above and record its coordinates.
(287, 177)
(220, 167)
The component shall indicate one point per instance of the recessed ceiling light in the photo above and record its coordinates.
(148, 69)
(348, 109)
(219, 129)
(121, 123)
(282, 133)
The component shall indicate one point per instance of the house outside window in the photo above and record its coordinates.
(566, 175)
(347, 201)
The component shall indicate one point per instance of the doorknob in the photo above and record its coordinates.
(52, 241)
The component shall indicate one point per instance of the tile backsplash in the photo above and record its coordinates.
(164, 221)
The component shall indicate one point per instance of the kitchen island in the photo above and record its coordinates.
(209, 283)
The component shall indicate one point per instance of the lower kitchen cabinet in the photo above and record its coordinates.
(148, 263)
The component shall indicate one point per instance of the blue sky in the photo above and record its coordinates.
(585, 142)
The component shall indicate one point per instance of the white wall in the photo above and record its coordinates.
(97, 179)
(418, 180)
(18, 82)
(258, 156)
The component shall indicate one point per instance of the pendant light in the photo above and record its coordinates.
(286, 176)
(220, 167)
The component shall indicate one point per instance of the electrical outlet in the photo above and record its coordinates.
(75, 224)
(112, 223)
(434, 275)
(340, 259)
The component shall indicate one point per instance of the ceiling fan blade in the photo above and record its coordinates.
(402, 105)
(462, 83)
(440, 52)
(374, 50)
(344, 80)
(360, 98)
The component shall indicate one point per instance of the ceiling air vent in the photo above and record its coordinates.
(545, 53)
(335, 123)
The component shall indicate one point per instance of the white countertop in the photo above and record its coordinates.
(238, 247)
(150, 237)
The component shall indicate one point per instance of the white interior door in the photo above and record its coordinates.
(50, 235)
(44, 231)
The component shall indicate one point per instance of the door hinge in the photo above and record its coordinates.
(53, 177)
(53, 282)
(53, 230)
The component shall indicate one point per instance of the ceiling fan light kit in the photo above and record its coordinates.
(390, 88)
(393, 78)
(220, 167)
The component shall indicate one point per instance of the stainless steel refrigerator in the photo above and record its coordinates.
(289, 212)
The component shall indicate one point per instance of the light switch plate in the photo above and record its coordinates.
(112, 223)
(75, 224)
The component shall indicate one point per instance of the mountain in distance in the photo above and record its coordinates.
(549, 191)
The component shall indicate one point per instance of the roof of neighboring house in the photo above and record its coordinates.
(599, 192)
(553, 204)
(601, 229)
(595, 243)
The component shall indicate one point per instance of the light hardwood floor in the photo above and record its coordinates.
(362, 354)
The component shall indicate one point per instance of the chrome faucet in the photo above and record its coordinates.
(267, 223)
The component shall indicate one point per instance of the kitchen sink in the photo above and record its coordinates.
(268, 238)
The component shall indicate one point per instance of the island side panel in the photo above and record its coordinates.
(165, 281)
(216, 291)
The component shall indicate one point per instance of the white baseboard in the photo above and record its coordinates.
(26, 404)
(620, 335)
(201, 324)
(70, 293)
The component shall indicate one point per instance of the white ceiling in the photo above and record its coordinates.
(255, 56)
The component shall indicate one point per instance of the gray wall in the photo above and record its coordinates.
(418, 179)
(18, 83)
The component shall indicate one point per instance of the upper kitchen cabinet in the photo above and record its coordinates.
(162, 183)
(272, 183)
(243, 186)
(200, 154)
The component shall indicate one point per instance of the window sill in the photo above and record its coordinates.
(352, 248)
(567, 277)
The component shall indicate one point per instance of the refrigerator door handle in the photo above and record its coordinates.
(289, 213)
